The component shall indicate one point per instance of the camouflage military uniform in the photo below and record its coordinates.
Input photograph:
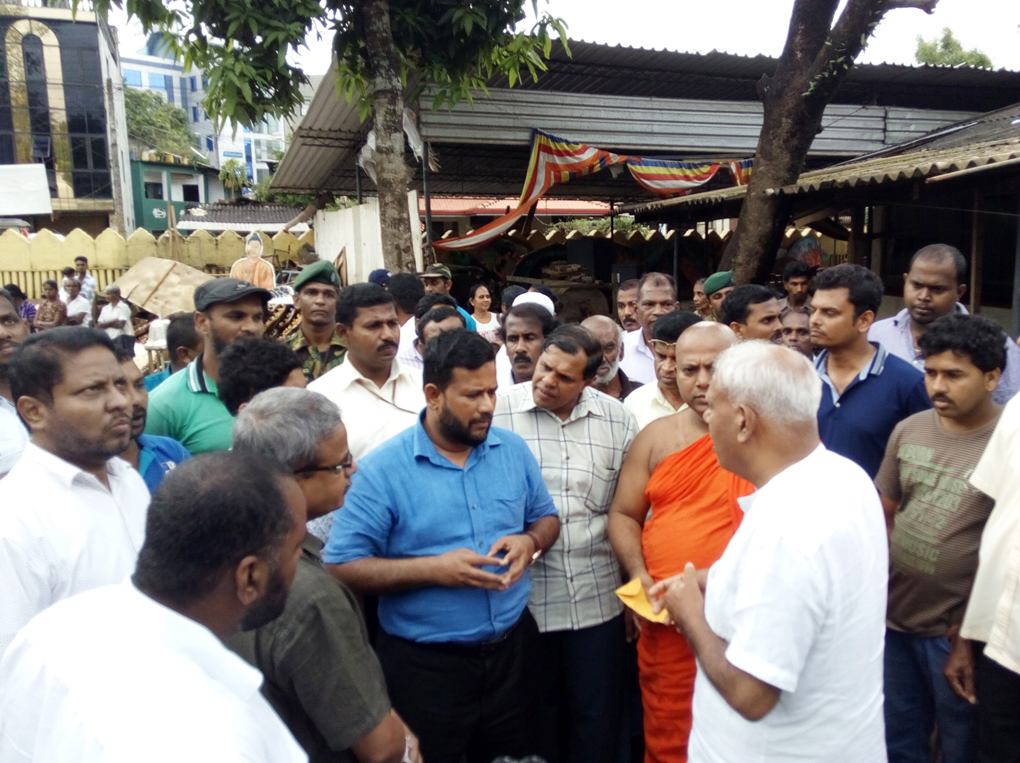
(315, 363)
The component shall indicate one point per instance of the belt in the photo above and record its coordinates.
(477, 649)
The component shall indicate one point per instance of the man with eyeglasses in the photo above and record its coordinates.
(321, 675)
(610, 378)
(653, 401)
(656, 297)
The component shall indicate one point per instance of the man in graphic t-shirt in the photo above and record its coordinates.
(935, 519)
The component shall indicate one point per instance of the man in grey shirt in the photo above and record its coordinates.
(322, 677)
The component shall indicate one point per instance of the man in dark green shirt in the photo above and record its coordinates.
(322, 677)
(315, 341)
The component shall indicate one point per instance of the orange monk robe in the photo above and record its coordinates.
(694, 515)
(259, 272)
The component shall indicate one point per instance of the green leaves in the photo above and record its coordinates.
(152, 123)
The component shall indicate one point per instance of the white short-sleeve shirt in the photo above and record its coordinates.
(111, 676)
(993, 611)
(119, 312)
(638, 359)
(800, 597)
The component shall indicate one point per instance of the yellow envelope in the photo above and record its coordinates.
(633, 595)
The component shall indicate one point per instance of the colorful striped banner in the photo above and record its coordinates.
(742, 170)
(555, 161)
(667, 178)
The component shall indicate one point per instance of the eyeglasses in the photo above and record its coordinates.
(661, 346)
(344, 466)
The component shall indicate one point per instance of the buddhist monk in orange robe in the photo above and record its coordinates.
(672, 470)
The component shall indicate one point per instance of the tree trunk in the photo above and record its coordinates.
(391, 171)
(813, 64)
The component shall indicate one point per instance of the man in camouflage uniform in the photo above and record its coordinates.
(315, 341)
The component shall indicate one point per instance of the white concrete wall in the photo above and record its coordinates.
(357, 229)
(116, 127)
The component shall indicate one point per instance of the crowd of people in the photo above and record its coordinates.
(772, 528)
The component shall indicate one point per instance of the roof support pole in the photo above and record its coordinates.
(357, 182)
(1015, 327)
(425, 183)
(676, 260)
(858, 253)
(976, 242)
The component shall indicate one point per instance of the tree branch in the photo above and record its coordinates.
(928, 6)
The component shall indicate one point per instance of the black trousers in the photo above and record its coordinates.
(998, 694)
(476, 701)
(581, 699)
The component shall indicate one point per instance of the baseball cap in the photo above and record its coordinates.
(226, 290)
(438, 271)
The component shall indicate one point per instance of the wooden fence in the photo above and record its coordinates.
(29, 262)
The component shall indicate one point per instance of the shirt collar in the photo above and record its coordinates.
(313, 547)
(425, 448)
(587, 405)
(874, 368)
(300, 341)
(198, 380)
(347, 374)
(197, 643)
(64, 471)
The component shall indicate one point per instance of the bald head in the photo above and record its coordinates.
(945, 255)
(696, 352)
(610, 336)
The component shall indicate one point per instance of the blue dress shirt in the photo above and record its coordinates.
(153, 380)
(409, 501)
(858, 423)
(895, 335)
(158, 455)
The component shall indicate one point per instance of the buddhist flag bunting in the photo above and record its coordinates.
(666, 178)
(555, 161)
(742, 170)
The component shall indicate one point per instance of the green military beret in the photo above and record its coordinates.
(319, 272)
(721, 280)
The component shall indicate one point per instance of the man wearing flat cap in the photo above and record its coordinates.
(186, 406)
(717, 286)
(316, 341)
(252, 268)
(437, 279)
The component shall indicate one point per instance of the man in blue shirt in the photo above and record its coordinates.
(866, 391)
(437, 279)
(183, 345)
(442, 522)
(936, 280)
(153, 456)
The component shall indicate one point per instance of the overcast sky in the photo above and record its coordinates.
(747, 27)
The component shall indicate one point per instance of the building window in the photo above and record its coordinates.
(205, 115)
(194, 84)
(154, 191)
(194, 113)
(209, 145)
(170, 89)
(190, 193)
(132, 77)
(157, 81)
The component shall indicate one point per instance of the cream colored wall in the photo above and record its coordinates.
(28, 263)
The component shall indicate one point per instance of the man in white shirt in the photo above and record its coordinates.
(115, 319)
(13, 331)
(656, 297)
(138, 670)
(993, 610)
(88, 283)
(409, 353)
(654, 401)
(73, 515)
(377, 395)
(79, 309)
(790, 629)
(580, 438)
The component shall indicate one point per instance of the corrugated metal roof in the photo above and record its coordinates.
(983, 141)
(488, 207)
(325, 145)
(238, 215)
